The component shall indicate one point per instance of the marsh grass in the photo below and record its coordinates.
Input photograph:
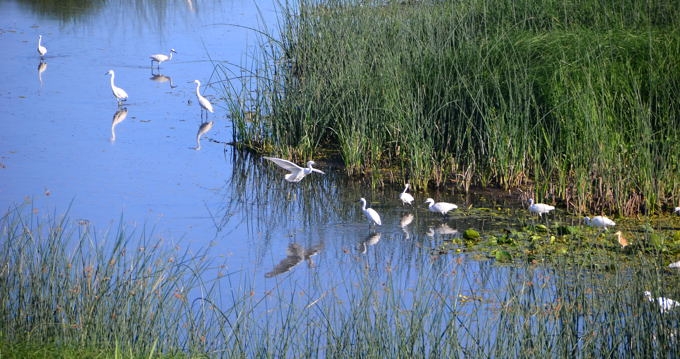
(67, 293)
(575, 101)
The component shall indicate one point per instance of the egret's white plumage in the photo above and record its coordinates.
(665, 304)
(599, 222)
(539, 208)
(118, 92)
(371, 214)
(406, 198)
(202, 130)
(297, 173)
(205, 104)
(676, 210)
(42, 50)
(674, 265)
(162, 57)
(440, 207)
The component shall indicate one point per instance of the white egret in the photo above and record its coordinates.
(42, 50)
(202, 130)
(599, 222)
(118, 117)
(676, 210)
(674, 265)
(370, 213)
(665, 304)
(297, 173)
(539, 208)
(118, 92)
(205, 104)
(406, 198)
(161, 58)
(440, 207)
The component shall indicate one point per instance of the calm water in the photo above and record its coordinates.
(58, 149)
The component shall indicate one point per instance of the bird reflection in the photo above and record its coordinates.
(442, 229)
(295, 254)
(118, 117)
(205, 127)
(42, 66)
(160, 78)
(370, 240)
(404, 222)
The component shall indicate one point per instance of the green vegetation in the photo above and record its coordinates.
(575, 101)
(66, 293)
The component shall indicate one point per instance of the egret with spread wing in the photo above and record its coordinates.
(297, 173)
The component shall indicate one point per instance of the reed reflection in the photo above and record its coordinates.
(160, 78)
(118, 117)
(295, 253)
(202, 130)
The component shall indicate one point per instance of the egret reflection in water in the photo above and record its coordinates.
(42, 66)
(295, 253)
(160, 78)
(118, 117)
(202, 130)
(370, 240)
(404, 222)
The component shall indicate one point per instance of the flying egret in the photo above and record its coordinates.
(440, 207)
(371, 214)
(202, 130)
(42, 50)
(539, 208)
(665, 304)
(118, 92)
(205, 104)
(406, 198)
(161, 58)
(599, 222)
(297, 173)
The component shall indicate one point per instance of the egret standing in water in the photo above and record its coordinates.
(440, 207)
(118, 92)
(205, 104)
(406, 197)
(42, 50)
(599, 222)
(202, 130)
(665, 304)
(370, 213)
(161, 58)
(297, 173)
(539, 208)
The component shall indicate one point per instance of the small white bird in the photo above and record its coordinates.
(161, 58)
(539, 208)
(674, 265)
(665, 304)
(205, 104)
(406, 198)
(202, 130)
(371, 214)
(297, 173)
(42, 50)
(440, 207)
(118, 92)
(676, 210)
(599, 222)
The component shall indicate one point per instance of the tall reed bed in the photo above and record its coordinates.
(63, 288)
(575, 100)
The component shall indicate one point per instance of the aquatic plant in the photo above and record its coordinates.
(574, 101)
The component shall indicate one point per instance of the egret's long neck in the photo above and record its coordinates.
(112, 76)
(170, 57)
(198, 94)
(39, 40)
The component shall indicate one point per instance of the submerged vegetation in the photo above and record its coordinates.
(575, 101)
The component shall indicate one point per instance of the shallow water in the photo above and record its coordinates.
(65, 145)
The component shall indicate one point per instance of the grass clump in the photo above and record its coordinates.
(576, 101)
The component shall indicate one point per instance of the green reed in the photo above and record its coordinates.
(575, 101)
